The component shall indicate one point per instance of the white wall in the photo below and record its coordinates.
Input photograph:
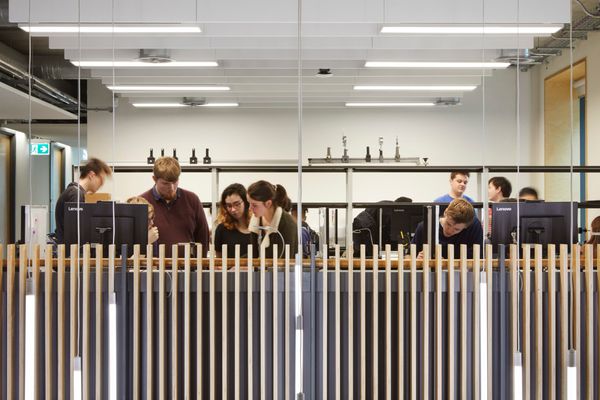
(448, 136)
(590, 50)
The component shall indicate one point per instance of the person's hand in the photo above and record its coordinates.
(420, 255)
(152, 235)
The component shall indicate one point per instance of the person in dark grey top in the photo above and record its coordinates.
(233, 221)
(91, 178)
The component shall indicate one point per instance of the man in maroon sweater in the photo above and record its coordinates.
(178, 213)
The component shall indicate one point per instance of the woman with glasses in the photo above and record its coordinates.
(271, 223)
(233, 221)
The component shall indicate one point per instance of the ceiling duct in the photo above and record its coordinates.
(521, 57)
(155, 56)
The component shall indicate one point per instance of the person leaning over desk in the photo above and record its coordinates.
(233, 219)
(271, 223)
(178, 213)
(457, 226)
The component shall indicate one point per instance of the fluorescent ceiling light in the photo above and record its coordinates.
(167, 88)
(473, 30)
(180, 105)
(410, 88)
(435, 64)
(140, 64)
(110, 29)
(406, 104)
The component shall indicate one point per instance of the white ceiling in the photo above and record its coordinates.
(256, 43)
(15, 105)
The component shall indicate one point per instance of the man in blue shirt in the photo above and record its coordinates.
(458, 226)
(458, 185)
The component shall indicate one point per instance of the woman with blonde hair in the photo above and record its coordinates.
(152, 230)
(233, 219)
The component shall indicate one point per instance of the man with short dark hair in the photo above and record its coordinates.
(458, 186)
(178, 213)
(459, 225)
(528, 194)
(499, 188)
(92, 175)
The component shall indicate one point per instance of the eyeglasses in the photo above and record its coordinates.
(235, 204)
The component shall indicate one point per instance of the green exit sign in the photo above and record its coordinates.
(40, 149)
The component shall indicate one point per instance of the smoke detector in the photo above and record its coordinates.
(154, 56)
(324, 73)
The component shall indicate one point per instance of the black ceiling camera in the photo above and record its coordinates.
(150, 158)
(175, 154)
(162, 152)
(193, 159)
(206, 159)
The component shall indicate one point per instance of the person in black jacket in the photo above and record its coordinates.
(365, 227)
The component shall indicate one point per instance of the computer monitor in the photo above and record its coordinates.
(403, 222)
(96, 222)
(539, 223)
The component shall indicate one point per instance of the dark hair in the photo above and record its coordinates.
(595, 240)
(508, 200)
(454, 173)
(265, 191)
(403, 199)
(224, 217)
(96, 166)
(502, 183)
(528, 191)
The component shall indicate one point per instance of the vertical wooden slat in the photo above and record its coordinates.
(275, 290)
(363, 324)
(263, 316)
(187, 350)
(1, 302)
(149, 323)
(224, 320)
(413, 322)
(250, 319)
(564, 318)
(85, 304)
(438, 322)
(199, 325)
(99, 331)
(539, 332)
(350, 323)
(74, 316)
(212, 324)
(60, 329)
(162, 316)
(463, 321)
(576, 260)
(426, 271)
(552, 322)
(489, 323)
(22, 288)
(338, 305)
(286, 317)
(589, 319)
(375, 326)
(526, 321)
(388, 322)
(136, 322)
(476, 322)
(37, 291)
(174, 321)
(514, 288)
(450, 334)
(324, 335)
(48, 315)
(10, 318)
(598, 287)
(236, 323)
(401, 322)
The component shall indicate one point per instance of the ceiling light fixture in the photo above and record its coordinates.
(410, 88)
(181, 105)
(167, 88)
(139, 64)
(109, 29)
(435, 64)
(473, 30)
(404, 104)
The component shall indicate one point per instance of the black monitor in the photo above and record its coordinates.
(96, 221)
(403, 222)
(539, 222)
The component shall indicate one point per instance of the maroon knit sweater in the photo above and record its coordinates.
(180, 221)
